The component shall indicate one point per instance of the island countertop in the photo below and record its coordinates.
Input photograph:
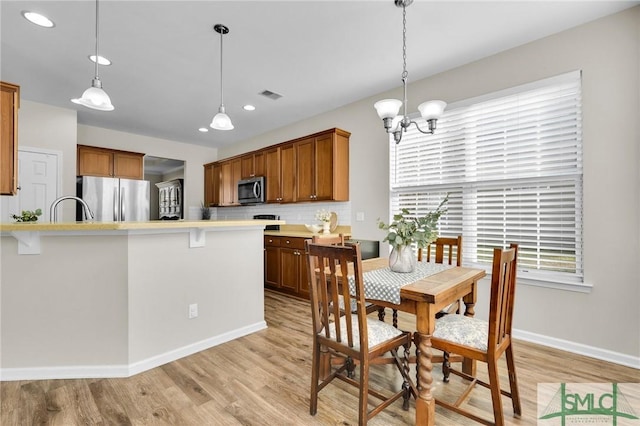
(125, 226)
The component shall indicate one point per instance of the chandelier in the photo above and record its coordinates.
(388, 109)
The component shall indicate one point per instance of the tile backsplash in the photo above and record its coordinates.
(299, 213)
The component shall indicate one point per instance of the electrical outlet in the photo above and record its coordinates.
(193, 310)
(360, 216)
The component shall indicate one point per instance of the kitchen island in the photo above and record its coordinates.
(114, 299)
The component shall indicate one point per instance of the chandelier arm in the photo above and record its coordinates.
(431, 124)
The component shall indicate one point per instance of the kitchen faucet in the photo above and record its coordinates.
(53, 217)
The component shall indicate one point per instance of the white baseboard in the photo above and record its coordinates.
(109, 371)
(579, 348)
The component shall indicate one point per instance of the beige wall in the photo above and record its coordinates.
(607, 51)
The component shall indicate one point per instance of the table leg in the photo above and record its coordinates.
(425, 404)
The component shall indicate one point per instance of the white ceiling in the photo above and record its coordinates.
(320, 55)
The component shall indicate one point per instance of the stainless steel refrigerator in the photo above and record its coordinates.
(113, 199)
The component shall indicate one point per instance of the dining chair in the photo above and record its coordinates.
(351, 336)
(485, 341)
(339, 240)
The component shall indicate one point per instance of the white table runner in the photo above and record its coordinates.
(383, 284)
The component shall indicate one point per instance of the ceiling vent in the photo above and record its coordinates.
(271, 95)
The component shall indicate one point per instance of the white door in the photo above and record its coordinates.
(37, 182)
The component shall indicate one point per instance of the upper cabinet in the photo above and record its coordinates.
(229, 177)
(9, 104)
(322, 167)
(311, 168)
(212, 178)
(252, 165)
(94, 161)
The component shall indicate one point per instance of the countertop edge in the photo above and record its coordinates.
(124, 226)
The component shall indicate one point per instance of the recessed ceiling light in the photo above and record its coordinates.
(249, 108)
(38, 19)
(203, 129)
(101, 60)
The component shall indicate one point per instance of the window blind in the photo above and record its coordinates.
(511, 163)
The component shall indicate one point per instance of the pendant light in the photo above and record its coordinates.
(221, 120)
(94, 97)
(388, 109)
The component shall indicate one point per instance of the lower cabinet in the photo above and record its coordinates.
(285, 265)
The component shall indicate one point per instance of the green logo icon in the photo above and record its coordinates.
(588, 403)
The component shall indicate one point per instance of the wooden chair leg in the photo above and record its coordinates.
(315, 373)
(395, 318)
(513, 382)
(496, 398)
(363, 409)
(381, 314)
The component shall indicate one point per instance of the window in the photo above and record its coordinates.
(511, 163)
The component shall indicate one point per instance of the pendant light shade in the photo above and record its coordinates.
(94, 97)
(221, 120)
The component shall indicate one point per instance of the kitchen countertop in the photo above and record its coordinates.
(117, 226)
(299, 231)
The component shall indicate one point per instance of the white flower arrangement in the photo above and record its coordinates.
(323, 215)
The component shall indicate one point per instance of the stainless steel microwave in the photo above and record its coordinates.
(251, 191)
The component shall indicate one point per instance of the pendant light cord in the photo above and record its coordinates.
(97, 30)
(221, 85)
(405, 74)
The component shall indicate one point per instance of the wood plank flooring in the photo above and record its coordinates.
(263, 379)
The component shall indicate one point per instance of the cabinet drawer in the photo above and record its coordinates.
(270, 241)
(296, 243)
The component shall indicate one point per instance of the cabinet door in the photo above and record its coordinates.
(289, 269)
(272, 174)
(272, 266)
(288, 173)
(305, 170)
(226, 190)
(247, 166)
(258, 163)
(212, 184)
(303, 288)
(323, 168)
(9, 103)
(236, 175)
(128, 165)
(94, 161)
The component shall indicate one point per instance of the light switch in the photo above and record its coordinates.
(360, 216)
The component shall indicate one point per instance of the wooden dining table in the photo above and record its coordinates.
(424, 298)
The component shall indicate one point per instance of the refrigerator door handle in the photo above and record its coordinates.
(115, 206)
(122, 212)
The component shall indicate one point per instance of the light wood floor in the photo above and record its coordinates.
(263, 379)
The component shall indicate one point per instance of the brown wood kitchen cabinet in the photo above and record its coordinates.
(311, 168)
(229, 177)
(95, 161)
(9, 104)
(322, 167)
(252, 165)
(212, 179)
(285, 269)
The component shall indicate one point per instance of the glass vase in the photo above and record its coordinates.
(326, 228)
(402, 259)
